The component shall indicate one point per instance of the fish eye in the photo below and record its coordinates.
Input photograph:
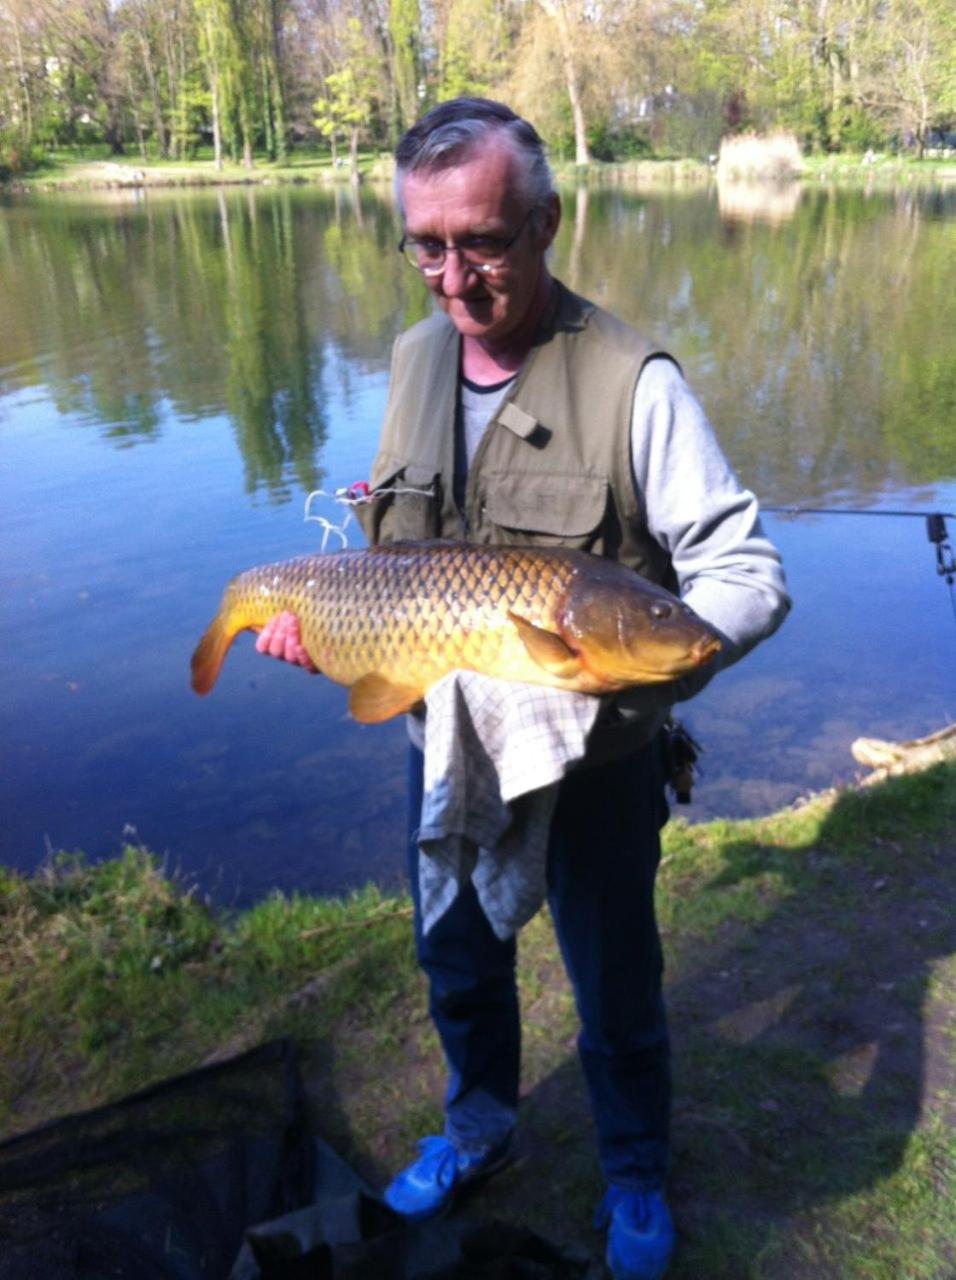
(660, 610)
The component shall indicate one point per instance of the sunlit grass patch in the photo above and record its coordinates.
(113, 974)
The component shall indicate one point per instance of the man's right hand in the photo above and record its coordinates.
(281, 638)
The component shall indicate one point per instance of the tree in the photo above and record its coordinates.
(405, 40)
(351, 92)
(225, 47)
(568, 17)
(467, 27)
(265, 24)
(911, 67)
(84, 39)
(214, 45)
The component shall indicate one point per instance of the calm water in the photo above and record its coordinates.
(177, 373)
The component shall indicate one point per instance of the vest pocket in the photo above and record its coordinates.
(407, 506)
(548, 510)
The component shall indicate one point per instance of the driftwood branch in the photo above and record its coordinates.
(888, 759)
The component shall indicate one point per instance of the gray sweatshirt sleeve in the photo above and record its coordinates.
(695, 507)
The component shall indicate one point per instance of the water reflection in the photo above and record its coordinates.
(821, 347)
(244, 337)
(770, 202)
(199, 306)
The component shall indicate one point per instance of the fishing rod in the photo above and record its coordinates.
(936, 532)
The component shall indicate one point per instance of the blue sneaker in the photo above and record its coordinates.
(428, 1185)
(640, 1238)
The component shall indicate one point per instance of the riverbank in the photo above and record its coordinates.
(65, 172)
(811, 980)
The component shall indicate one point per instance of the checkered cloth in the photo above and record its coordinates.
(494, 754)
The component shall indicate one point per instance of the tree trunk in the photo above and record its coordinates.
(172, 81)
(275, 79)
(581, 153)
(162, 140)
(268, 121)
(557, 11)
(216, 126)
(24, 82)
(137, 119)
(113, 133)
(353, 153)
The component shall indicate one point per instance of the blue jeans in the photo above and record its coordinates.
(603, 852)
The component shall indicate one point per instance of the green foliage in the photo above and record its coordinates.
(159, 76)
(470, 25)
(351, 100)
(18, 156)
(405, 35)
(103, 939)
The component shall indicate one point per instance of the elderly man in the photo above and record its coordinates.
(520, 413)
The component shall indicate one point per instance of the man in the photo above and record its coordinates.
(520, 413)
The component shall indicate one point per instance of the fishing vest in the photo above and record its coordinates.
(553, 467)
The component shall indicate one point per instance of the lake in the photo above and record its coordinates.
(179, 370)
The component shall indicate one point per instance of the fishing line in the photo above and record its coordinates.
(936, 533)
(326, 525)
(356, 495)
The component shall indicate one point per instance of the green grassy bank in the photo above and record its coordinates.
(93, 169)
(811, 982)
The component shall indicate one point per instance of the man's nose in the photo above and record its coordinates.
(459, 277)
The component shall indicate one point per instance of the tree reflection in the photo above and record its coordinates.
(194, 306)
(821, 348)
(821, 345)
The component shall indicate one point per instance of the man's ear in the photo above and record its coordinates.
(548, 221)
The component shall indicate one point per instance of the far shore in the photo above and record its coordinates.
(74, 173)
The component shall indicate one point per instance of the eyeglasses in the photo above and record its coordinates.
(483, 254)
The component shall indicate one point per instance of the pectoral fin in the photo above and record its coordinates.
(373, 698)
(547, 649)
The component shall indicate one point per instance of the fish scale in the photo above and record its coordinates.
(390, 621)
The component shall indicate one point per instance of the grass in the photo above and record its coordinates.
(94, 168)
(811, 982)
(882, 166)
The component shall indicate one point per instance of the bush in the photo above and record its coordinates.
(859, 131)
(18, 156)
(774, 156)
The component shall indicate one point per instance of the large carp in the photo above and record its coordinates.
(389, 622)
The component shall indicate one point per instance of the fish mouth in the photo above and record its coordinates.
(703, 651)
(670, 667)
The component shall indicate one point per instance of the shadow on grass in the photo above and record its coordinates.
(805, 1053)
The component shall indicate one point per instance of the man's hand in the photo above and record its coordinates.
(281, 638)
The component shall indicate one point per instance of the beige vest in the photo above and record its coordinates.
(554, 466)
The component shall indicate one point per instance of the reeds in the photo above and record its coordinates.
(751, 157)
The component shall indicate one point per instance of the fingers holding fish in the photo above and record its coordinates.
(281, 637)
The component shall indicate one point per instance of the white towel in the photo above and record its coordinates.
(494, 754)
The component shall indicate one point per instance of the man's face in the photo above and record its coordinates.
(481, 197)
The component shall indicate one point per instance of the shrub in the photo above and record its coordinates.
(748, 156)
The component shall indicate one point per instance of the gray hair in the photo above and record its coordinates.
(450, 132)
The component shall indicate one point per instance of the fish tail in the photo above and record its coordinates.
(211, 651)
